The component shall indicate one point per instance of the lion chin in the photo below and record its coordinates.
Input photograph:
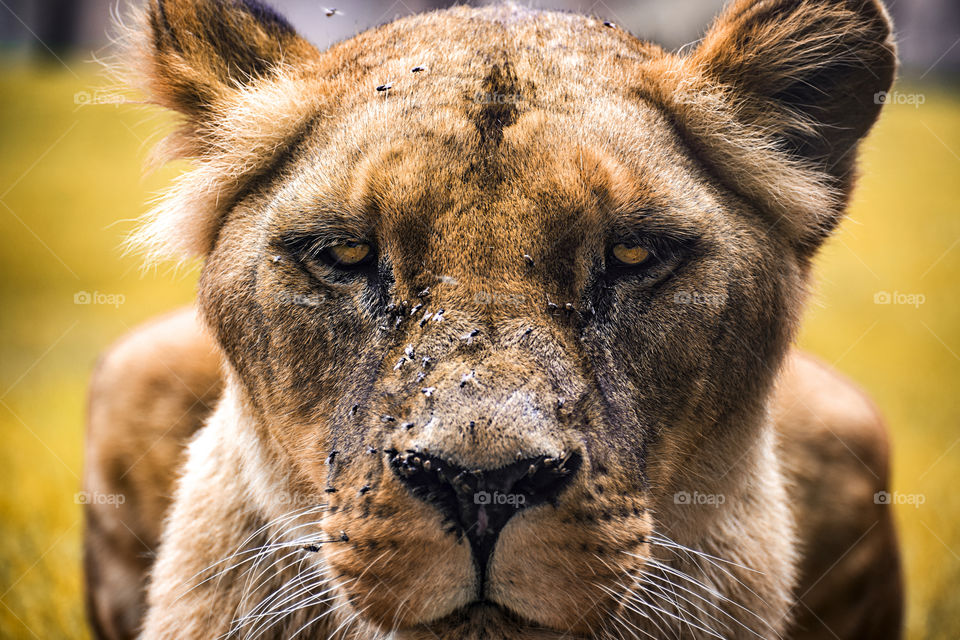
(493, 335)
(483, 620)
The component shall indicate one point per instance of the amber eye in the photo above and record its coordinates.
(631, 255)
(349, 254)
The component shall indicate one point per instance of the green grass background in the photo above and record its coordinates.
(69, 173)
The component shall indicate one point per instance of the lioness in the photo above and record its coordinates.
(493, 335)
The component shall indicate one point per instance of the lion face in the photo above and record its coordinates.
(491, 388)
(499, 312)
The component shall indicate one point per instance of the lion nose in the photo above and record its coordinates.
(480, 502)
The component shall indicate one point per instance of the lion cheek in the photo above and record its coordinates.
(564, 576)
(401, 570)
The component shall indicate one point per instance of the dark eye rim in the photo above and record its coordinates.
(613, 259)
(326, 255)
(666, 254)
(312, 251)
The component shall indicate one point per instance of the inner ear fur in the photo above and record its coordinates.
(245, 84)
(775, 100)
(808, 71)
(198, 50)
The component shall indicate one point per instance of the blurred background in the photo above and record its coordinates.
(884, 310)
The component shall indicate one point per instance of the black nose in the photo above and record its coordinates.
(479, 502)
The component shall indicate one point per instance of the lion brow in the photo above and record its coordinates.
(670, 222)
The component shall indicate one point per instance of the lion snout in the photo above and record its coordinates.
(478, 503)
(484, 441)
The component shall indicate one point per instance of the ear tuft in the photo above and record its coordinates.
(775, 101)
(199, 49)
(808, 71)
(244, 84)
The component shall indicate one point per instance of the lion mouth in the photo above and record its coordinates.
(484, 616)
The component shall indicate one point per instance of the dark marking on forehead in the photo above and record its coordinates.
(496, 105)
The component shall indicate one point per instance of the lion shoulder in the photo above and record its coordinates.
(150, 392)
(835, 452)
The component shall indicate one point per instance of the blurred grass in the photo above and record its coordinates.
(68, 173)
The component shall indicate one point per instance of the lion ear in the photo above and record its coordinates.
(199, 50)
(245, 83)
(811, 72)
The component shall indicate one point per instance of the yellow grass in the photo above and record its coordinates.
(68, 173)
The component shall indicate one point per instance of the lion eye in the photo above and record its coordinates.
(349, 254)
(630, 254)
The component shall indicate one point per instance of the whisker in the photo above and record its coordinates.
(275, 523)
(657, 591)
(667, 542)
(684, 576)
(647, 576)
(628, 603)
(713, 560)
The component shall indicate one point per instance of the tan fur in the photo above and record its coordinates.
(148, 396)
(833, 443)
(495, 329)
(837, 457)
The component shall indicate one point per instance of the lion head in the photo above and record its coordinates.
(503, 292)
